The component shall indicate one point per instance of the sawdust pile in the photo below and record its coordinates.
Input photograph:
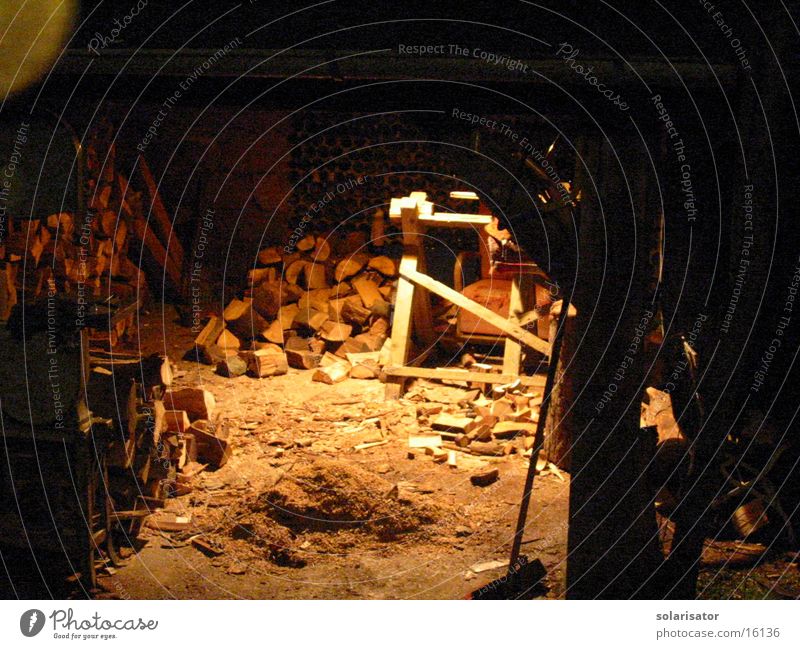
(329, 504)
(330, 495)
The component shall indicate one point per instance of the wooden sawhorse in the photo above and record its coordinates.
(412, 311)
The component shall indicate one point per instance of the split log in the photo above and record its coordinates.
(329, 359)
(297, 343)
(367, 291)
(231, 366)
(342, 289)
(315, 276)
(269, 256)
(349, 266)
(228, 342)
(213, 442)
(302, 359)
(198, 403)
(287, 314)
(176, 421)
(384, 265)
(365, 370)
(352, 346)
(269, 297)
(371, 342)
(235, 309)
(248, 324)
(267, 362)
(353, 312)
(306, 243)
(316, 345)
(322, 249)
(294, 271)
(335, 332)
(310, 319)
(257, 276)
(316, 299)
(332, 374)
(274, 332)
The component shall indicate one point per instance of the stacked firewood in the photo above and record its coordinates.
(93, 256)
(164, 435)
(308, 309)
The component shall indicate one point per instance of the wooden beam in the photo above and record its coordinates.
(160, 215)
(401, 323)
(482, 312)
(456, 374)
(150, 241)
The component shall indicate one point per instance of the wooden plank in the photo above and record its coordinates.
(512, 352)
(482, 312)
(412, 240)
(149, 239)
(161, 217)
(455, 374)
(444, 219)
(401, 323)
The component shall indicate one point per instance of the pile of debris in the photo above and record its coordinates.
(306, 310)
(490, 421)
(310, 506)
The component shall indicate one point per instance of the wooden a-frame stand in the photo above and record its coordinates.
(412, 312)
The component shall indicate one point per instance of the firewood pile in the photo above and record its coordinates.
(164, 436)
(95, 257)
(480, 420)
(308, 309)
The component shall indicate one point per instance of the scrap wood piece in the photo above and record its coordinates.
(366, 445)
(483, 566)
(485, 477)
(505, 429)
(458, 374)
(424, 441)
(453, 424)
(169, 522)
(206, 546)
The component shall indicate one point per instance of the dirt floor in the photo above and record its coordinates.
(299, 513)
